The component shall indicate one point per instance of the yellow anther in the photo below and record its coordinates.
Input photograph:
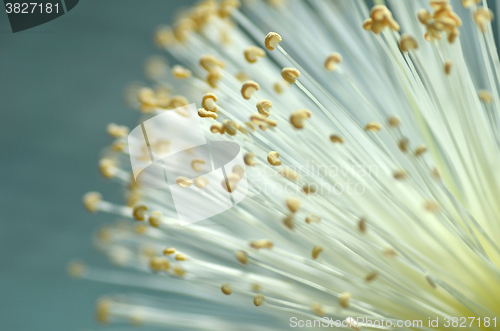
(362, 225)
(318, 309)
(485, 96)
(107, 167)
(313, 218)
(298, 118)
(242, 77)
(263, 243)
(209, 101)
(381, 17)
(103, 310)
(278, 88)
(226, 289)
(118, 146)
(217, 128)
(272, 39)
(290, 74)
(117, 131)
(183, 182)
(367, 24)
(201, 182)
(483, 17)
(438, 4)
(211, 63)
(183, 28)
(227, 7)
(231, 182)
(448, 65)
(332, 61)
(400, 174)
(309, 188)
(289, 222)
(197, 164)
(421, 149)
(230, 127)
(242, 257)
(213, 78)
(407, 43)
(76, 269)
(289, 174)
(394, 121)
(91, 201)
(180, 257)
(453, 35)
(274, 158)
(139, 212)
(239, 170)
(344, 299)
(371, 276)
(179, 271)
(263, 106)
(202, 112)
(252, 53)
(424, 16)
(336, 139)
(262, 121)
(431, 206)
(373, 127)
(155, 219)
(389, 252)
(403, 145)
(164, 36)
(169, 251)
(147, 96)
(178, 101)
(249, 159)
(293, 204)
(158, 263)
(248, 88)
(470, 3)
(180, 72)
(317, 250)
(258, 300)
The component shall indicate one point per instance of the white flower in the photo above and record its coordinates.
(372, 160)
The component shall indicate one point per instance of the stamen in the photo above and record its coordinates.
(91, 201)
(139, 212)
(248, 88)
(332, 61)
(273, 158)
(290, 74)
(209, 101)
(272, 39)
(263, 106)
(252, 53)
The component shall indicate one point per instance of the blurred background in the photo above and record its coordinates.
(61, 83)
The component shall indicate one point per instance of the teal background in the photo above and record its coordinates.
(61, 83)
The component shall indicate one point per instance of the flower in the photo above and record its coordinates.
(372, 160)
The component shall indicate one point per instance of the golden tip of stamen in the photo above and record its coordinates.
(332, 61)
(272, 39)
(158, 263)
(139, 212)
(298, 118)
(373, 127)
(227, 7)
(273, 158)
(313, 218)
(249, 159)
(211, 63)
(107, 167)
(155, 219)
(289, 173)
(290, 74)
(400, 174)
(389, 252)
(381, 17)
(169, 251)
(91, 201)
(362, 227)
(197, 164)
(448, 65)
(208, 102)
(470, 3)
(242, 77)
(213, 78)
(367, 24)
(289, 223)
(316, 251)
(183, 182)
(485, 96)
(318, 309)
(201, 182)
(262, 243)
(431, 206)
(248, 88)
(103, 310)
(371, 276)
(242, 257)
(258, 300)
(421, 149)
(180, 257)
(336, 139)
(179, 271)
(394, 121)
(117, 131)
(183, 28)
(483, 17)
(293, 204)
(308, 188)
(181, 72)
(424, 16)
(230, 127)
(252, 53)
(202, 112)
(239, 170)
(230, 183)
(407, 43)
(403, 145)
(77, 269)
(226, 289)
(344, 299)
(217, 128)
(164, 36)
(263, 106)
